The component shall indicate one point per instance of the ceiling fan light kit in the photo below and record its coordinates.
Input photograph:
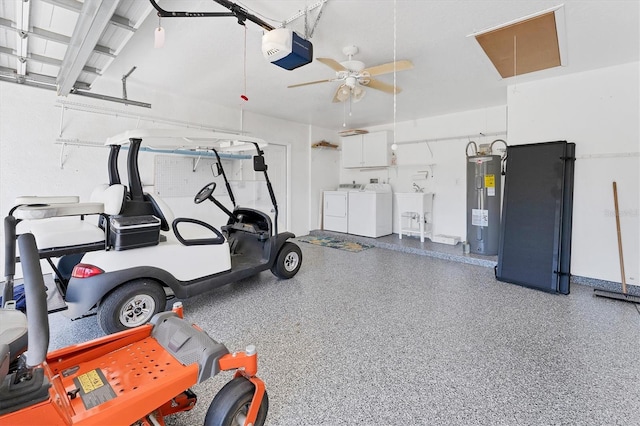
(354, 78)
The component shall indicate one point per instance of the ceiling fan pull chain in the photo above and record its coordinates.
(344, 115)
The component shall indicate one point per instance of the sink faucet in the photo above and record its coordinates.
(417, 188)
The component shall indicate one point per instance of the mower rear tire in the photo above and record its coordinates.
(288, 261)
(131, 305)
(229, 407)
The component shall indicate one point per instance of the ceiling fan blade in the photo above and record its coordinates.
(309, 82)
(385, 87)
(332, 63)
(387, 68)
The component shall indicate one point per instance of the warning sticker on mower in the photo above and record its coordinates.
(94, 388)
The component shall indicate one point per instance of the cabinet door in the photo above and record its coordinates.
(352, 151)
(375, 149)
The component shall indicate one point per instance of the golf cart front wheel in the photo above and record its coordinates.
(288, 262)
(131, 305)
(231, 404)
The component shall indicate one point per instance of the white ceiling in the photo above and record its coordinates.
(204, 58)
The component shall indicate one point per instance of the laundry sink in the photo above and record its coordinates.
(415, 213)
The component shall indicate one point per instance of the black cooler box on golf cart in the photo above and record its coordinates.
(134, 231)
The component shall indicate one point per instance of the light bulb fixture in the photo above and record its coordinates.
(343, 93)
(394, 146)
(158, 34)
(358, 93)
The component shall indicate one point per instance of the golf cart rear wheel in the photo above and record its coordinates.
(130, 305)
(230, 405)
(288, 262)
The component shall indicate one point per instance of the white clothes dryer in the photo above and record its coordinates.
(336, 207)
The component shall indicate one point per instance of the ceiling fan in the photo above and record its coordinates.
(354, 77)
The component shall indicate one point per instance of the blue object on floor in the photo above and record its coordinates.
(18, 296)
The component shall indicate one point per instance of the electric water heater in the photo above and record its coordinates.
(484, 191)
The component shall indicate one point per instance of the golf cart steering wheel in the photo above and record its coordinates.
(205, 193)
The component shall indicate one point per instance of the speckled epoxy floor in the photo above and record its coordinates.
(382, 337)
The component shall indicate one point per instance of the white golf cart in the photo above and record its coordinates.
(139, 255)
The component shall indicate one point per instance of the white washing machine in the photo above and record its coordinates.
(336, 207)
(370, 211)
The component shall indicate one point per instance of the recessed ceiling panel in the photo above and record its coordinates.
(55, 50)
(34, 67)
(62, 21)
(523, 47)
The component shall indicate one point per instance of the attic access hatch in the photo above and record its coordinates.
(532, 43)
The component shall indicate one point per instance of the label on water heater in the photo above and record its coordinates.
(479, 217)
(490, 184)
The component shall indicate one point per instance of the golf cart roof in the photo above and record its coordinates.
(189, 139)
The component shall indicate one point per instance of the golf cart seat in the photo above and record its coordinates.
(161, 210)
(62, 226)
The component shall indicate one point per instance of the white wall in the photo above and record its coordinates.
(599, 111)
(324, 172)
(443, 159)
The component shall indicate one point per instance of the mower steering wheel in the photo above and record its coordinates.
(205, 193)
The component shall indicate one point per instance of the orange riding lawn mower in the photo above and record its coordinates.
(134, 377)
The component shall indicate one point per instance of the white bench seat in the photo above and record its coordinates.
(62, 224)
(53, 233)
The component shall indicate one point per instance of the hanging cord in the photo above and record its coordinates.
(244, 69)
(395, 27)
(244, 77)
(515, 62)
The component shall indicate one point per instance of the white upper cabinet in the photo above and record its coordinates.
(367, 150)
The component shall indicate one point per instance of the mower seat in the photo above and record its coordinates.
(13, 331)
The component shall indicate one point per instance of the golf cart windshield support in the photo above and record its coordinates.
(224, 176)
(261, 166)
